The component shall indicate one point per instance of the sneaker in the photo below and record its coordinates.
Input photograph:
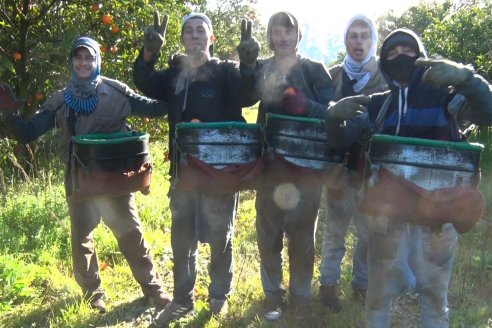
(273, 310)
(218, 307)
(328, 297)
(98, 304)
(171, 312)
(159, 301)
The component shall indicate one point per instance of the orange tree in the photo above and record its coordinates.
(36, 36)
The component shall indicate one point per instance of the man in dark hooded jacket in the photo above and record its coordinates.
(420, 104)
(291, 85)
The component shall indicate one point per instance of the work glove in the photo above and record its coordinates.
(348, 107)
(154, 35)
(294, 101)
(8, 101)
(178, 61)
(444, 72)
(248, 48)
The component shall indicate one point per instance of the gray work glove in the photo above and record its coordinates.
(8, 102)
(248, 48)
(444, 72)
(154, 35)
(348, 107)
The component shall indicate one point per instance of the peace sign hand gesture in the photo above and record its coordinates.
(154, 35)
(248, 48)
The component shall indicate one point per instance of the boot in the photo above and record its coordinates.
(328, 297)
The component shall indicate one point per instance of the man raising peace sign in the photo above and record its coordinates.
(198, 88)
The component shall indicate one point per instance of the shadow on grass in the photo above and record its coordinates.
(134, 313)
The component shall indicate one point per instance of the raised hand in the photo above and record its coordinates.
(154, 36)
(8, 101)
(348, 107)
(248, 48)
(444, 72)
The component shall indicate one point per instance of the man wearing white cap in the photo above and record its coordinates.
(201, 88)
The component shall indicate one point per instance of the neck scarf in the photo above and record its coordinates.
(356, 69)
(81, 95)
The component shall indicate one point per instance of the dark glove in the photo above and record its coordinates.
(294, 101)
(154, 35)
(348, 107)
(8, 101)
(248, 48)
(443, 72)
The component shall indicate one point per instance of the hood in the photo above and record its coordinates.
(397, 37)
(282, 18)
(93, 47)
(374, 35)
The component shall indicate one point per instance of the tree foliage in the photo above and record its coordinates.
(36, 36)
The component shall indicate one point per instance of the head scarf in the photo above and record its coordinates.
(81, 95)
(355, 69)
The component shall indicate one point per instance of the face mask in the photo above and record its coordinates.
(401, 68)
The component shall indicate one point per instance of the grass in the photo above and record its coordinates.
(38, 288)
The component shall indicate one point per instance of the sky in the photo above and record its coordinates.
(323, 22)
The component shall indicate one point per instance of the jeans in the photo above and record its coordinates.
(206, 218)
(121, 216)
(339, 214)
(403, 256)
(288, 209)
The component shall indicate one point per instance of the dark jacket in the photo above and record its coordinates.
(213, 92)
(430, 113)
(307, 76)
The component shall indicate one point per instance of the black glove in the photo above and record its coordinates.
(294, 101)
(8, 101)
(348, 107)
(248, 48)
(443, 72)
(154, 35)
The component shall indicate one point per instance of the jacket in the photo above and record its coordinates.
(427, 112)
(307, 76)
(212, 92)
(116, 102)
(344, 86)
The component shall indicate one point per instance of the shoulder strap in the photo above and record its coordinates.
(307, 77)
(378, 124)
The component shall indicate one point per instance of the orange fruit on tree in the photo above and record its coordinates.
(39, 96)
(95, 7)
(114, 49)
(104, 48)
(115, 29)
(107, 19)
(17, 56)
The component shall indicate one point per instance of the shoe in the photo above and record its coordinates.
(159, 301)
(359, 293)
(328, 297)
(273, 310)
(300, 311)
(171, 312)
(218, 307)
(98, 304)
